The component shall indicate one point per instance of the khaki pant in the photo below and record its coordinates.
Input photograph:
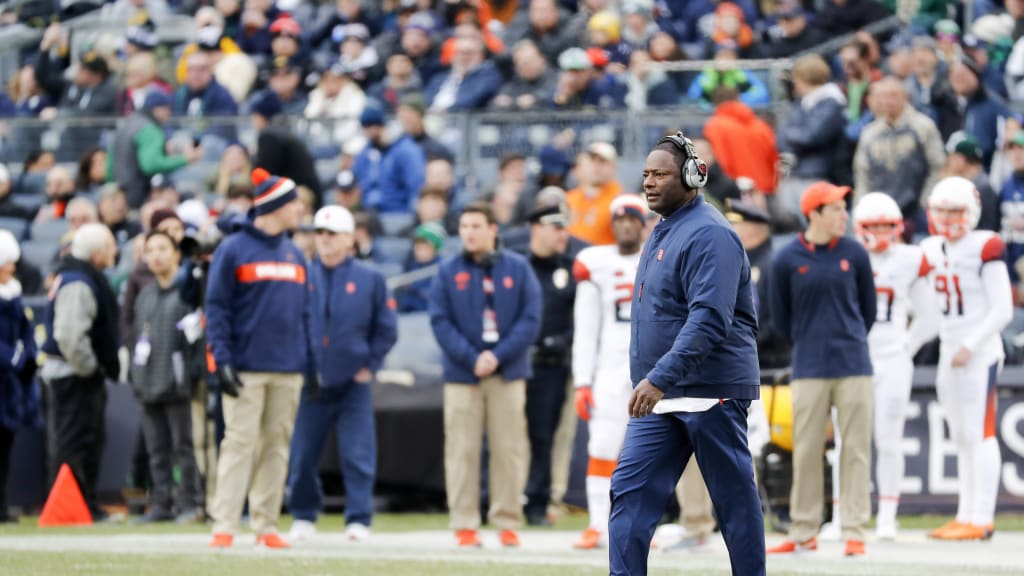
(561, 452)
(502, 406)
(694, 501)
(204, 444)
(257, 435)
(812, 403)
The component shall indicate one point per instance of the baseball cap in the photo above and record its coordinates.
(964, 144)
(629, 205)
(372, 116)
(421, 21)
(557, 214)
(553, 161)
(574, 59)
(740, 211)
(603, 150)
(208, 38)
(93, 62)
(970, 41)
(335, 219)
(819, 194)
(286, 26)
(156, 99)
(345, 181)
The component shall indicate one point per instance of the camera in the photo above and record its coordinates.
(198, 245)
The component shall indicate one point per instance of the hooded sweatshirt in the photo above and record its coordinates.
(744, 145)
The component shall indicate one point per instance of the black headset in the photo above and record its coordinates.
(693, 172)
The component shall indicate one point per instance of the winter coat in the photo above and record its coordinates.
(812, 131)
(19, 396)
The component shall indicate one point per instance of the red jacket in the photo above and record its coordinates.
(744, 145)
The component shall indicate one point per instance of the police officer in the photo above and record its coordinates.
(546, 391)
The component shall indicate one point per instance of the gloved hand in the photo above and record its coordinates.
(584, 402)
(230, 382)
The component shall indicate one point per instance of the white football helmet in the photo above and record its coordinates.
(954, 207)
(877, 208)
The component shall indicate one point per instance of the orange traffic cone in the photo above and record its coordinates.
(65, 505)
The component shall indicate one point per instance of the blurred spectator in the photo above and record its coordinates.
(304, 238)
(440, 173)
(138, 149)
(353, 316)
(964, 160)
(81, 353)
(604, 31)
(418, 44)
(427, 241)
(900, 61)
(814, 125)
(231, 12)
(649, 86)
(8, 208)
(338, 100)
(390, 170)
(358, 56)
(725, 72)
(200, 95)
(547, 25)
(210, 24)
(113, 213)
(434, 207)
(720, 187)
(286, 83)
(698, 17)
(410, 113)
(163, 190)
(346, 12)
(471, 81)
(279, 151)
(140, 39)
(19, 395)
(240, 200)
(26, 94)
(838, 17)
(92, 171)
(1011, 208)
(401, 79)
(590, 203)
(346, 191)
(235, 71)
(947, 38)
(991, 76)
(60, 189)
(89, 93)
(485, 365)
(79, 212)
(929, 90)
(533, 84)
(730, 25)
(140, 78)
(234, 169)
(638, 23)
(160, 379)
(128, 11)
(797, 33)
(854, 57)
(162, 220)
(900, 153)
(367, 228)
(253, 33)
(581, 85)
(744, 145)
(32, 180)
(983, 115)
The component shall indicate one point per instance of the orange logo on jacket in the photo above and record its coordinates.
(462, 280)
(803, 269)
(350, 288)
(844, 265)
(661, 254)
(270, 272)
(508, 282)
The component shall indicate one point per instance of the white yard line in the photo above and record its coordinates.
(913, 554)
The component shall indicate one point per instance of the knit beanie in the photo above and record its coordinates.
(272, 192)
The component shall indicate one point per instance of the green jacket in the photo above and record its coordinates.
(136, 154)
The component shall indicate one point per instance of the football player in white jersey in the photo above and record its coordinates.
(973, 289)
(600, 353)
(901, 283)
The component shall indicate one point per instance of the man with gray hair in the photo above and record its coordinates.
(81, 353)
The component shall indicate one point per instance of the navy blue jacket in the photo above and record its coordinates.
(353, 319)
(215, 100)
(259, 303)
(823, 300)
(391, 178)
(694, 325)
(19, 397)
(457, 308)
(475, 91)
(982, 120)
(1011, 206)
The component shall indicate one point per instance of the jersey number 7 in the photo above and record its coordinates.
(884, 304)
(942, 286)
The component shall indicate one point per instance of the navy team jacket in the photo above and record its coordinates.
(259, 304)
(354, 322)
(694, 326)
(457, 308)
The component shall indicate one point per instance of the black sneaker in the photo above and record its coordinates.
(537, 520)
(154, 516)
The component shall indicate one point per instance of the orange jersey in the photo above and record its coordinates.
(591, 217)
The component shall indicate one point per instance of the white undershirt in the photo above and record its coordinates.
(684, 404)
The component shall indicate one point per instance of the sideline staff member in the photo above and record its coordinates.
(693, 355)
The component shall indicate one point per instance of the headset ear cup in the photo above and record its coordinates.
(696, 173)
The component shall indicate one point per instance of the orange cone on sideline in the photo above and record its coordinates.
(65, 505)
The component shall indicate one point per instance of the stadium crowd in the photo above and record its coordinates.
(894, 112)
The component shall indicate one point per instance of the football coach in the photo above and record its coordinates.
(693, 359)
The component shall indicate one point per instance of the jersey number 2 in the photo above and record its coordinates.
(942, 286)
(623, 302)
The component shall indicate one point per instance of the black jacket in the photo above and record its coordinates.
(558, 288)
(282, 153)
(851, 16)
